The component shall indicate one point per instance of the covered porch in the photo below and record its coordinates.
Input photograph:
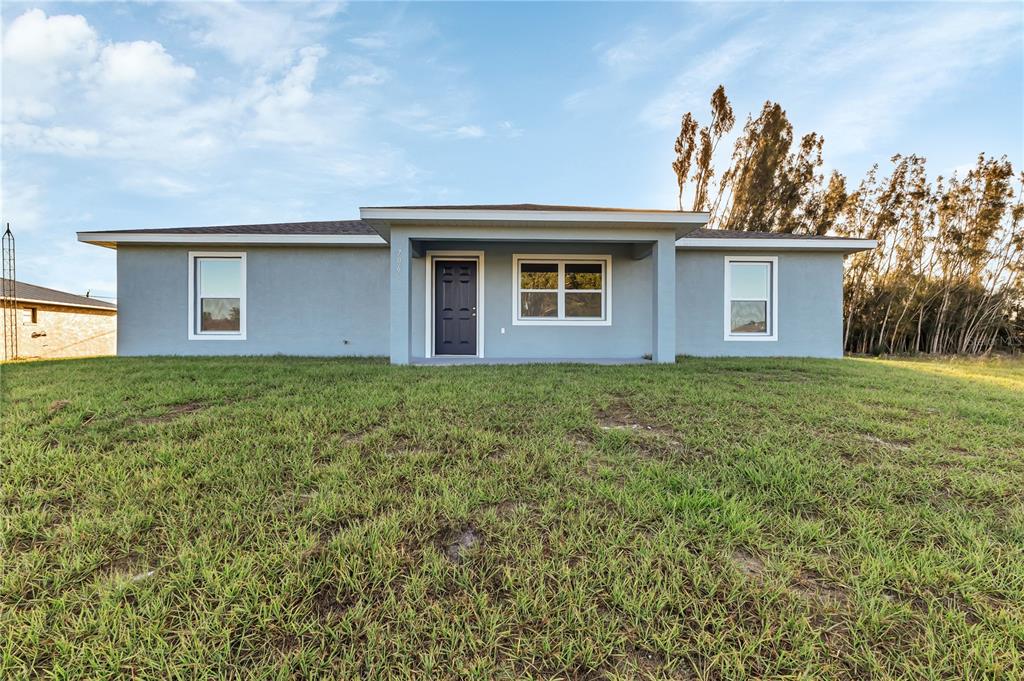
(520, 285)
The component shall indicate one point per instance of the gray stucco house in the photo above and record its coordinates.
(425, 284)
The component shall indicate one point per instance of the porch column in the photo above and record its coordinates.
(664, 300)
(400, 283)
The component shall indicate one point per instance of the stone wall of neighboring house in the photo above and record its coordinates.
(64, 331)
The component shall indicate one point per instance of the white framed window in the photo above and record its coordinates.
(751, 298)
(216, 296)
(562, 290)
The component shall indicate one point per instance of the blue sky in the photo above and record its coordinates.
(120, 115)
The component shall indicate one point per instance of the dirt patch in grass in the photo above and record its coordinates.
(508, 507)
(889, 444)
(329, 602)
(619, 416)
(130, 568)
(334, 527)
(173, 413)
(325, 449)
(951, 602)
(810, 584)
(579, 440)
(58, 405)
(647, 661)
(456, 543)
(651, 441)
(747, 563)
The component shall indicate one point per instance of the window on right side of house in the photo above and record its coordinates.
(218, 295)
(750, 304)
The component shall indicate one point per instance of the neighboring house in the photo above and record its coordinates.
(51, 323)
(426, 284)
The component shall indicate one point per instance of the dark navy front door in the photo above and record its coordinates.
(455, 307)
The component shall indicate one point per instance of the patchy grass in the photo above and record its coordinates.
(714, 519)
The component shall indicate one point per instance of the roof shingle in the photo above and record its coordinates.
(31, 292)
(527, 206)
(360, 228)
(355, 227)
(740, 234)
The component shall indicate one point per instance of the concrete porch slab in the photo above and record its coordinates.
(461, 361)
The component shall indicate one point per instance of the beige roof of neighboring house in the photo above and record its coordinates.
(30, 293)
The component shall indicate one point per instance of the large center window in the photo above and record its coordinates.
(562, 289)
(750, 298)
(217, 296)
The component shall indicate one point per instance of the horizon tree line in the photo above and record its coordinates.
(948, 274)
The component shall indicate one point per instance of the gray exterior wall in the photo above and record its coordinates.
(628, 336)
(810, 300)
(299, 301)
(308, 301)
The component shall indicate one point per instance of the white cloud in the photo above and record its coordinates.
(264, 35)
(363, 72)
(141, 74)
(509, 129)
(280, 106)
(386, 166)
(74, 95)
(420, 118)
(690, 90)
(40, 55)
(21, 205)
(65, 264)
(855, 79)
(401, 33)
(469, 132)
(906, 64)
(157, 185)
(49, 42)
(52, 139)
(371, 41)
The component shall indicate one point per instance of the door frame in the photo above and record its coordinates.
(428, 312)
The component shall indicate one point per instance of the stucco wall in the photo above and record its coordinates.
(65, 331)
(810, 306)
(628, 336)
(308, 301)
(300, 301)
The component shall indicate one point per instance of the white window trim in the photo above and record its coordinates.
(470, 256)
(561, 259)
(193, 332)
(773, 307)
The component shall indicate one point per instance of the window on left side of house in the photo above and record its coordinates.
(219, 295)
(29, 315)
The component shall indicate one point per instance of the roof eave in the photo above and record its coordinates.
(112, 239)
(62, 303)
(382, 219)
(761, 244)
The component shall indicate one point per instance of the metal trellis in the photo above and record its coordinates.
(9, 296)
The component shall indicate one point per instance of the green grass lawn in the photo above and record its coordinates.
(713, 519)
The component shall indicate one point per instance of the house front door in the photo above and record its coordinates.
(455, 327)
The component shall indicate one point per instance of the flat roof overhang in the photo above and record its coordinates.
(802, 244)
(680, 222)
(112, 239)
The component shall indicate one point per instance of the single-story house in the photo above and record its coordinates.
(50, 324)
(438, 284)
